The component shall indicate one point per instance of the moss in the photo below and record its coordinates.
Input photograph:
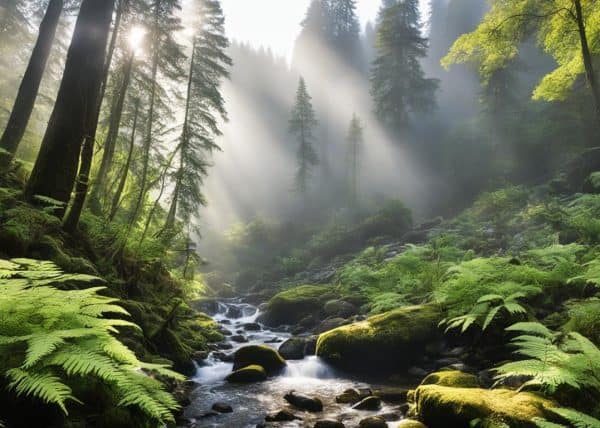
(452, 378)
(290, 306)
(261, 355)
(442, 406)
(584, 318)
(390, 340)
(251, 373)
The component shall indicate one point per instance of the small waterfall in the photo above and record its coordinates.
(310, 367)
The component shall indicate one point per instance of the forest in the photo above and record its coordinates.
(391, 221)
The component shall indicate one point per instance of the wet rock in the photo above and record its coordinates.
(210, 414)
(282, 416)
(200, 355)
(262, 307)
(370, 403)
(454, 352)
(239, 338)
(264, 356)
(340, 308)
(417, 372)
(273, 340)
(224, 331)
(290, 306)
(251, 373)
(308, 321)
(206, 305)
(224, 346)
(329, 423)
(293, 348)
(222, 408)
(452, 378)
(392, 394)
(304, 403)
(349, 396)
(252, 326)
(330, 324)
(226, 322)
(364, 392)
(373, 422)
(222, 356)
(404, 408)
(234, 312)
(410, 423)
(390, 417)
(448, 361)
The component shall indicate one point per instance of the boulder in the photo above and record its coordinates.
(393, 395)
(452, 378)
(282, 416)
(261, 355)
(207, 305)
(239, 338)
(349, 396)
(329, 423)
(410, 423)
(304, 403)
(373, 422)
(330, 324)
(442, 406)
(222, 408)
(252, 326)
(391, 340)
(370, 403)
(339, 308)
(293, 348)
(251, 373)
(291, 306)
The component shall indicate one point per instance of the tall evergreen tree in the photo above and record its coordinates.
(209, 65)
(355, 143)
(30, 84)
(55, 169)
(398, 84)
(345, 31)
(302, 124)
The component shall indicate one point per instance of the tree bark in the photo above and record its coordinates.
(587, 58)
(117, 196)
(113, 132)
(56, 166)
(30, 85)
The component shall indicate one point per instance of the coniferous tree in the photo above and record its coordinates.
(204, 105)
(398, 85)
(30, 84)
(74, 112)
(345, 32)
(302, 124)
(355, 143)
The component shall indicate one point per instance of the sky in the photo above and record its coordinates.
(276, 23)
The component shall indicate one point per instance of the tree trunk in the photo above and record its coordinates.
(56, 166)
(87, 152)
(148, 136)
(587, 58)
(113, 132)
(117, 196)
(30, 85)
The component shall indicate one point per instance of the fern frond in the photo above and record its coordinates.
(44, 386)
(577, 419)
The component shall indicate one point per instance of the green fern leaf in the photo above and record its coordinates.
(44, 386)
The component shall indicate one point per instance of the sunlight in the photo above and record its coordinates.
(136, 37)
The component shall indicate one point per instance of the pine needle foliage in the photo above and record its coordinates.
(51, 337)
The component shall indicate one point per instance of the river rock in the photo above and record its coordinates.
(239, 338)
(373, 422)
(293, 348)
(234, 312)
(329, 423)
(304, 403)
(349, 396)
(282, 416)
(393, 395)
(222, 356)
(224, 331)
(410, 423)
(391, 340)
(291, 306)
(251, 373)
(264, 356)
(370, 403)
(252, 326)
(340, 308)
(222, 408)
(330, 324)
(207, 305)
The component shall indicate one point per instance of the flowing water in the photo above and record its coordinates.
(252, 402)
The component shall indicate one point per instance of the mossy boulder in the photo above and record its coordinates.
(443, 406)
(386, 341)
(291, 306)
(452, 378)
(248, 374)
(266, 357)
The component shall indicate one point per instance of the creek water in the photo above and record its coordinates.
(252, 402)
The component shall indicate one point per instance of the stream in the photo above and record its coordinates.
(252, 402)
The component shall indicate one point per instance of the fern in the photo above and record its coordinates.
(58, 336)
(573, 417)
(552, 359)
